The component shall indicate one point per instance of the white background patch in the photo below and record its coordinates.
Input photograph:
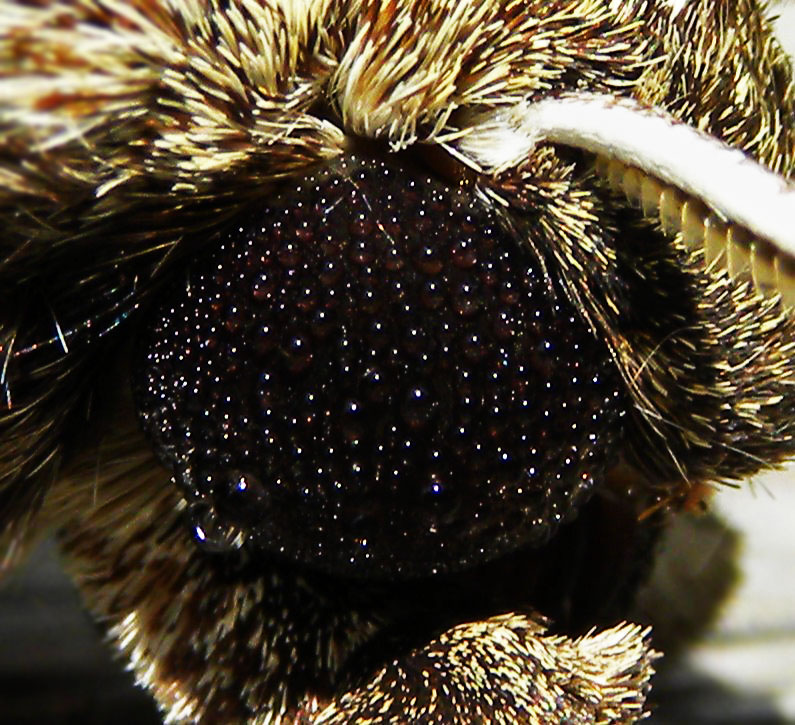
(750, 656)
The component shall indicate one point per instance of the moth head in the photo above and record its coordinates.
(384, 302)
(419, 162)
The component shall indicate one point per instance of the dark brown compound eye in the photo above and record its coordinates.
(373, 376)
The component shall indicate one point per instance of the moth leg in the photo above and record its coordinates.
(507, 669)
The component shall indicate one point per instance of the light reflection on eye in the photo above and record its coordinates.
(390, 383)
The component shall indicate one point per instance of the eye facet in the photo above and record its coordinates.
(373, 376)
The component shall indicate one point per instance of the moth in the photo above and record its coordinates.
(358, 351)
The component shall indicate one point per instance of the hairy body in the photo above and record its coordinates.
(135, 133)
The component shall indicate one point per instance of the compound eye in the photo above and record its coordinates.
(373, 376)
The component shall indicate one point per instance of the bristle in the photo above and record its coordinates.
(504, 670)
(725, 243)
(682, 162)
